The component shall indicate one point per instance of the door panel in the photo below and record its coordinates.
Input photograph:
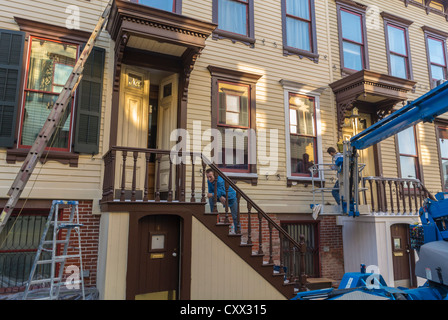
(167, 122)
(159, 255)
(401, 254)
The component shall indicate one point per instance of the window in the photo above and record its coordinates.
(233, 115)
(19, 247)
(50, 65)
(299, 29)
(398, 52)
(436, 54)
(352, 37)
(47, 64)
(397, 44)
(235, 19)
(408, 153)
(302, 133)
(442, 134)
(167, 5)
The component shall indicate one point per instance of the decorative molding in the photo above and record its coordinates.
(396, 19)
(435, 32)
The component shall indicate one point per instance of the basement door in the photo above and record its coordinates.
(401, 255)
(159, 257)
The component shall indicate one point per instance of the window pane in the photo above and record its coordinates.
(50, 65)
(406, 142)
(167, 5)
(351, 26)
(352, 56)
(437, 72)
(298, 8)
(408, 167)
(234, 152)
(304, 114)
(233, 105)
(232, 16)
(443, 142)
(445, 175)
(302, 154)
(298, 34)
(37, 108)
(398, 66)
(436, 52)
(397, 42)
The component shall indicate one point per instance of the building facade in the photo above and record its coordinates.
(261, 89)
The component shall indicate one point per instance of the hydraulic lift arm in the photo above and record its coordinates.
(52, 121)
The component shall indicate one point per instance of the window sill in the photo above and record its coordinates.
(306, 181)
(251, 178)
(234, 37)
(301, 53)
(64, 157)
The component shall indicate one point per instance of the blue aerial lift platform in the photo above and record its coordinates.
(430, 239)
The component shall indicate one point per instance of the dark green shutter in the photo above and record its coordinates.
(88, 111)
(11, 53)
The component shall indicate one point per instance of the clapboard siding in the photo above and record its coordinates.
(55, 180)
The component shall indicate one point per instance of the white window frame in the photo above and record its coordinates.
(315, 93)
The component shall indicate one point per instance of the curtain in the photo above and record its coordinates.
(298, 8)
(232, 16)
(298, 34)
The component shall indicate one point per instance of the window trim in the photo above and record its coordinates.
(359, 9)
(288, 50)
(177, 6)
(440, 36)
(24, 89)
(419, 171)
(439, 123)
(401, 23)
(248, 39)
(308, 91)
(221, 74)
(54, 33)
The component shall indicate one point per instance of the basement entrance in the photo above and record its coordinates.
(159, 256)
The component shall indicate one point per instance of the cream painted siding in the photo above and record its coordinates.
(54, 180)
(265, 59)
(219, 273)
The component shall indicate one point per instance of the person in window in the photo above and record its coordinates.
(221, 196)
(337, 160)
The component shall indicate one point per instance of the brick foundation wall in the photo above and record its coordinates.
(89, 241)
(331, 248)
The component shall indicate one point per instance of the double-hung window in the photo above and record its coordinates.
(167, 5)
(442, 134)
(352, 37)
(50, 64)
(302, 134)
(398, 50)
(299, 29)
(233, 120)
(408, 153)
(235, 19)
(436, 54)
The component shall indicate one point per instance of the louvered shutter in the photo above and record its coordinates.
(88, 111)
(11, 54)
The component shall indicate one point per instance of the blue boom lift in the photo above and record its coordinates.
(430, 239)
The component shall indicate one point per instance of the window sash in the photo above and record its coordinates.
(352, 40)
(301, 163)
(41, 92)
(159, 4)
(229, 9)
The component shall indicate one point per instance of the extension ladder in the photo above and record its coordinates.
(55, 280)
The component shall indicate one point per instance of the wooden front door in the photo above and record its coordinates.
(159, 256)
(401, 255)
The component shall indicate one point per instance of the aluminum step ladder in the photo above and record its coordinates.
(56, 279)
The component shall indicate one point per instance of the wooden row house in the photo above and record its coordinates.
(287, 79)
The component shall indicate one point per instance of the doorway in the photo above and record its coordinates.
(158, 257)
(402, 257)
(147, 115)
